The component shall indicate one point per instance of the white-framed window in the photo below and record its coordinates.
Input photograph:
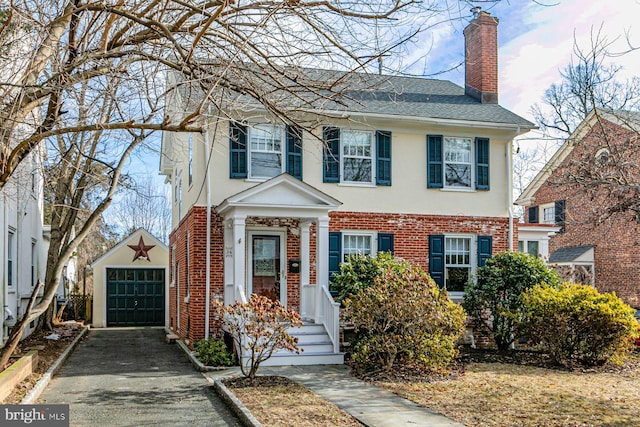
(358, 243)
(266, 151)
(11, 261)
(531, 247)
(179, 196)
(549, 214)
(34, 262)
(459, 262)
(190, 159)
(357, 156)
(458, 162)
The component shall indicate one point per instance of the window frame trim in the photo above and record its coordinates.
(370, 233)
(283, 151)
(473, 259)
(472, 165)
(372, 158)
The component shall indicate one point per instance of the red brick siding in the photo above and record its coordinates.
(616, 241)
(411, 236)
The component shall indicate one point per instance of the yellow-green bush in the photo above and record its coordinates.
(404, 318)
(576, 324)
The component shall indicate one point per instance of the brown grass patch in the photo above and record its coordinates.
(278, 401)
(502, 394)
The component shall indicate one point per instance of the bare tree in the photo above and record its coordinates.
(597, 114)
(144, 205)
(88, 78)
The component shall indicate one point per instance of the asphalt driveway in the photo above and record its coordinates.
(131, 377)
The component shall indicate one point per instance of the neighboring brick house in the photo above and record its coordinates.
(605, 253)
(414, 166)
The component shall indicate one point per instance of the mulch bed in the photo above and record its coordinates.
(48, 352)
(258, 381)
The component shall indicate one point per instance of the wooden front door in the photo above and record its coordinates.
(266, 275)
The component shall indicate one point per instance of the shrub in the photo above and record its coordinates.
(576, 324)
(404, 318)
(494, 298)
(360, 271)
(214, 352)
(258, 328)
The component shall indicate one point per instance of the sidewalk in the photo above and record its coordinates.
(371, 405)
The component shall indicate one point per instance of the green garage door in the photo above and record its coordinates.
(135, 297)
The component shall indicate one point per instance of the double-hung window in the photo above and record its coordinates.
(262, 151)
(357, 244)
(265, 154)
(549, 215)
(457, 162)
(530, 247)
(357, 150)
(356, 157)
(458, 263)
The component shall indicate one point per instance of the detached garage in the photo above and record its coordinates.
(130, 285)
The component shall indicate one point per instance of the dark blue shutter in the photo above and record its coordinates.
(485, 249)
(482, 163)
(560, 214)
(385, 242)
(383, 154)
(237, 150)
(434, 161)
(533, 215)
(294, 151)
(335, 255)
(331, 157)
(436, 258)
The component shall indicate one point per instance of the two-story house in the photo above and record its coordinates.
(415, 166)
(587, 249)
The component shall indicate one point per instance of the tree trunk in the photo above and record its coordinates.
(16, 331)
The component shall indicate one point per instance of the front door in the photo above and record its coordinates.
(266, 266)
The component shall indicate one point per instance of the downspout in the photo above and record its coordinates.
(207, 299)
(510, 186)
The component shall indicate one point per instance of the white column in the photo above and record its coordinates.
(239, 254)
(229, 290)
(322, 263)
(307, 295)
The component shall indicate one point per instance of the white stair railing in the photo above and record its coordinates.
(331, 318)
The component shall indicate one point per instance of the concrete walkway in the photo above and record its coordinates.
(132, 377)
(371, 405)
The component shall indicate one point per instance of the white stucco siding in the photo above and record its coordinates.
(408, 193)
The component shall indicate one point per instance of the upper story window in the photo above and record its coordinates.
(549, 215)
(190, 159)
(266, 151)
(356, 156)
(457, 162)
(357, 149)
(263, 151)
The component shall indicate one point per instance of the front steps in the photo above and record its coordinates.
(315, 345)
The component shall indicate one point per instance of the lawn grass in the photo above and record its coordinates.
(499, 394)
(291, 404)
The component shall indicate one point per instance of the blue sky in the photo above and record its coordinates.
(536, 42)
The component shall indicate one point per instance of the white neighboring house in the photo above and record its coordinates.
(23, 249)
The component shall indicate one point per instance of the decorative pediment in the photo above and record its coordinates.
(283, 191)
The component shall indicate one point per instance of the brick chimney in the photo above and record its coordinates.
(481, 57)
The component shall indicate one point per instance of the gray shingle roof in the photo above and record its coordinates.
(569, 254)
(342, 92)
